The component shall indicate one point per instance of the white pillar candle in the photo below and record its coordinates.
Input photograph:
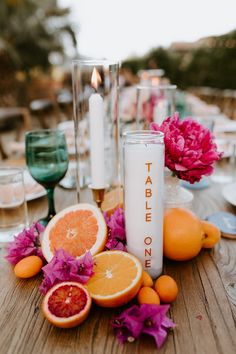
(144, 185)
(97, 152)
(160, 111)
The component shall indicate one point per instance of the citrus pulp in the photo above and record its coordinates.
(66, 304)
(76, 229)
(117, 278)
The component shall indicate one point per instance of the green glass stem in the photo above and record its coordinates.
(51, 206)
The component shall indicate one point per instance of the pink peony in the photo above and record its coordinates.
(64, 267)
(26, 243)
(190, 151)
(147, 318)
(116, 230)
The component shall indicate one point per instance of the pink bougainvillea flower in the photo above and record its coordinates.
(114, 244)
(116, 230)
(64, 267)
(148, 319)
(116, 224)
(26, 243)
(190, 151)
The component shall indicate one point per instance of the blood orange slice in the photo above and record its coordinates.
(117, 278)
(76, 229)
(66, 304)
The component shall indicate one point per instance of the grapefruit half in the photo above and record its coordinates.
(76, 229)
(66, 304)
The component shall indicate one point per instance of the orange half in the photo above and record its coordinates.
(76, 229)
(117, 278)
(112, 200)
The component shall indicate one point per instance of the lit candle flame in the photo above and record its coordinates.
(95, 79)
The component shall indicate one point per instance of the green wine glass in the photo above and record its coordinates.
(47, 161)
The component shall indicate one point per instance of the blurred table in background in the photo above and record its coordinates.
(15, 120)
(224, 99)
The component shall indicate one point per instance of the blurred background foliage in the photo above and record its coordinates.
(32, 37)
(36, 36)
(207, 62)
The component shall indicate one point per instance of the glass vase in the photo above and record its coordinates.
(176, 196)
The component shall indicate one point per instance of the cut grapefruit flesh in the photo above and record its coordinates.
(112, 200)
(116, 280)
(76, 229)
(67, 304)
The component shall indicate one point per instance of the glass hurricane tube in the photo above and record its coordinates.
(95, 100)
(154, 104)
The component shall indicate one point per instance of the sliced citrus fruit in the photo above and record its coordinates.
(112, 200)
(66, 304)
(117, 278)
(76, 229)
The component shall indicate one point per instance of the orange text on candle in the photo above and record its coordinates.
(148, 216)
(148, 193)
(147, 251)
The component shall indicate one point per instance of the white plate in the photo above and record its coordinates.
(229, 193)
(33, 189)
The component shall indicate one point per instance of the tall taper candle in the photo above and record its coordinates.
(96, 126)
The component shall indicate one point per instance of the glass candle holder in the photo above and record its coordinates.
(154, 104)
(95, 101)
(151, 76)
(143, 159)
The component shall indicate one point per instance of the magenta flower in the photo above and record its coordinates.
(115, 244)
(116, 230)
(26, 243)
(190, 151)
(149, 319)
(64, 267)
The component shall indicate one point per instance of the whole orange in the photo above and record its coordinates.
(212, 234)
(166, 288)
(146, 279)
(147, 295)
(28, 267)
(183, 234)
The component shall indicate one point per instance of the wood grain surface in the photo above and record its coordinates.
(205, 310)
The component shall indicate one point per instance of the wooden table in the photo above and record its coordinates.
(205, 310)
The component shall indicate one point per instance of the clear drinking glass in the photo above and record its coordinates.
(13, 207)
(47, 161)
(154, 104)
